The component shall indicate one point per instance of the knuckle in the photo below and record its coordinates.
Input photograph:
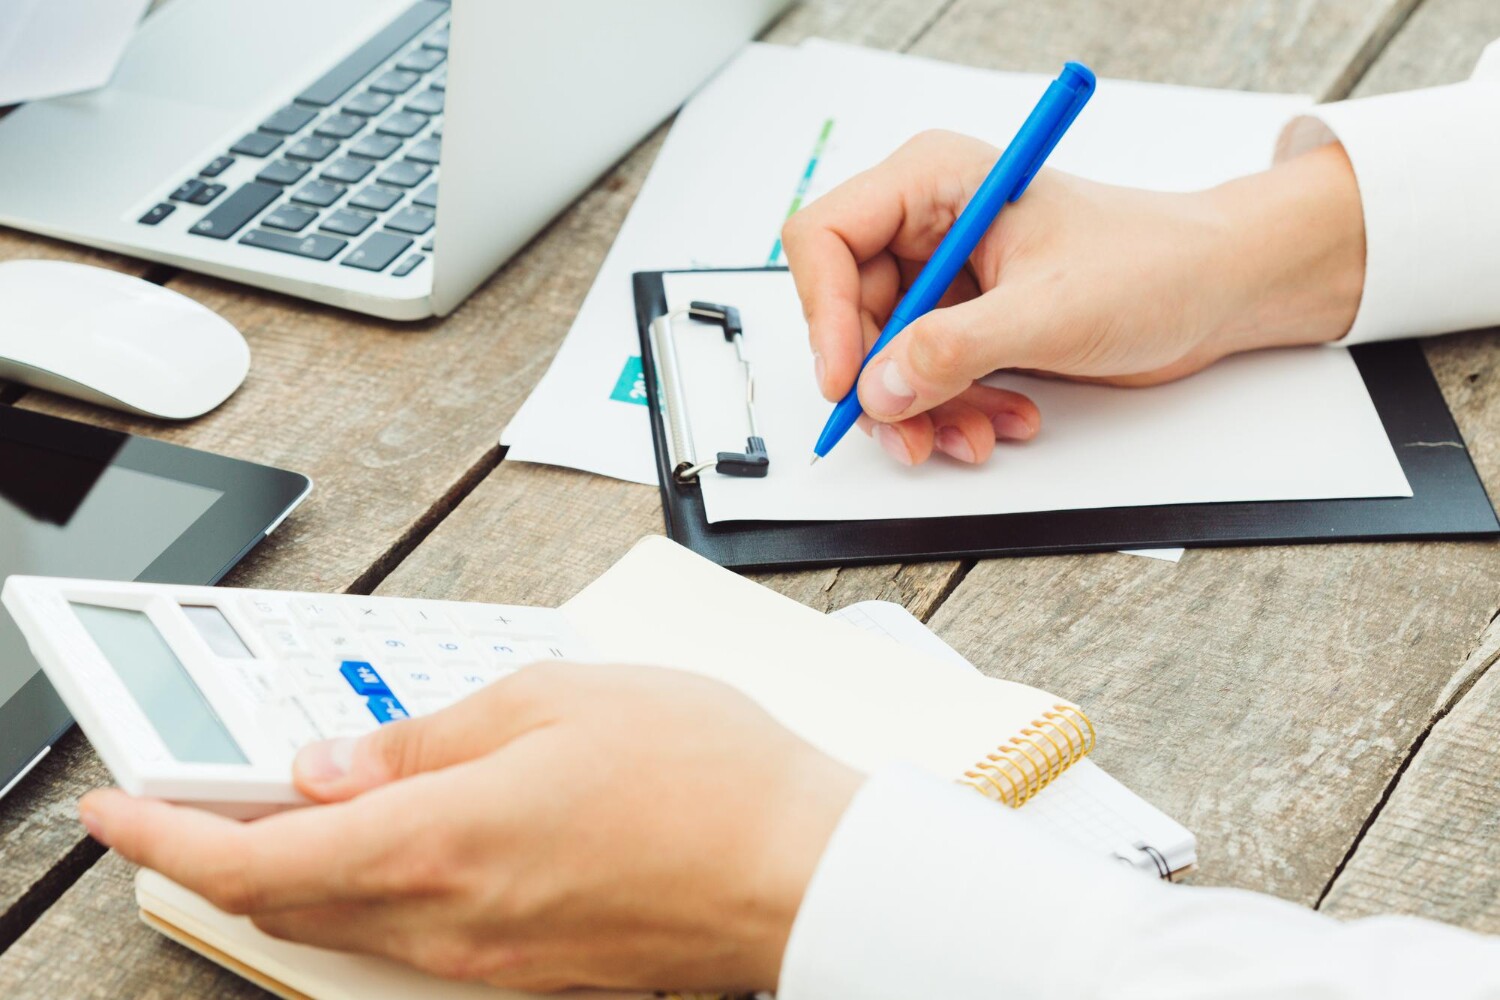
(235, 889)
(450, 958)
(935, 353)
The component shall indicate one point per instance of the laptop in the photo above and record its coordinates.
(301, 146)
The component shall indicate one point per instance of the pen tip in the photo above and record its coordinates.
(814, 459)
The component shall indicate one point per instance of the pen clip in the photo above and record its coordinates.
(1078, 80)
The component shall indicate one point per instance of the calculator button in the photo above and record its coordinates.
(428, 704)
(266, 611)
(285, 643)
(315, 613)
(341, 716)
(547, 650)
(398, 646)
(386, 708)
(484, 619)
(341, 643)
(369, 615)
(450, 649)
(420, 619)
(474, 678)
(316, 677)
(424, 682)
(363, 678)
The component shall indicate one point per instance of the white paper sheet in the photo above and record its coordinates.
(52, 47)
(780, 123)
(1293, 424)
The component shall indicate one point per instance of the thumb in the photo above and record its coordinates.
(334, 770)
(939, 355)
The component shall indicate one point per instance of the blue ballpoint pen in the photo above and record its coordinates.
(1006, 182)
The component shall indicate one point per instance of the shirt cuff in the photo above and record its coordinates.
(929, 889)
(1426, 162)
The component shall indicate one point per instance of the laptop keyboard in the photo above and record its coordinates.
(348, 170)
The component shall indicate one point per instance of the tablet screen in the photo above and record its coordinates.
(63, 515)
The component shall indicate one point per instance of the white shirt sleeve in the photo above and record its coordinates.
(1426, 162)
(927, 889)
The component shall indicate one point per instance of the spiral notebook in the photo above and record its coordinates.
(869, 685)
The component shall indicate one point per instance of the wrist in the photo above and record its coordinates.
(1294, 253)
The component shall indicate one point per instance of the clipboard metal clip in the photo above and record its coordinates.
(753, 462)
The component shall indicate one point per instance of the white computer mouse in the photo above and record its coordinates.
(118, 341)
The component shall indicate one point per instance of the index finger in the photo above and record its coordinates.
(300, 857)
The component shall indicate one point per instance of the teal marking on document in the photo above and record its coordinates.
(631, 385)
(803, 185)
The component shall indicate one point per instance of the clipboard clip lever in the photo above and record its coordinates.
(752, 463)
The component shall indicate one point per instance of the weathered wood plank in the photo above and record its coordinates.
(1267, 697)
(1434, 847)
(1269, 45)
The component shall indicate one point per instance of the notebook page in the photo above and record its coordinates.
(858, 697)
(300, 972)
(1086, 807)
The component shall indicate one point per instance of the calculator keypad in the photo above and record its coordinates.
(339, 665)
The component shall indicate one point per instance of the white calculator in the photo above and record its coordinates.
(202, 695)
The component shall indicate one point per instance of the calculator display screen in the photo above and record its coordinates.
(160, 685)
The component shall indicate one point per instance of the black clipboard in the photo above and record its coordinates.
(1448, 502)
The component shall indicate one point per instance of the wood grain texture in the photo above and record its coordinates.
(1433, 850)
(1297, 46)
(93, 945)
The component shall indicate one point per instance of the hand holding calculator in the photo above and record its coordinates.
(203, 695)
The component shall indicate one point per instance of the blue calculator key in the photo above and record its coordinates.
(386, 708)
(363, 678)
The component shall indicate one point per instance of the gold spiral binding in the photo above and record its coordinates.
(1035, 757)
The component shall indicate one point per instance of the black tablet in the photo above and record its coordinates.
(79, 501)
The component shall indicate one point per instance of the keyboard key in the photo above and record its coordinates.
(404, 173)
(427, 197)
(368, 104)
(403, 124)
(156, 214)
(187, 190)
(407, 266)
(319, 193)
(439, 81)
(375, 147)
(421, 60)
(217, 166)
(362, 61)
(282, 172)
(428, 102)
(415, 221)
(314, 148)
(426, 151)
(375, 198)
(386, 708)
(292, 218)
(206, 194)
(394, 81)
(288, 120)
(437, 40)
(348, 170)
(256, 144)
(377, 252)
(363, 678)
(340, 126)
(314, 246)
(428, 245)
(347, 223)
(233, 212)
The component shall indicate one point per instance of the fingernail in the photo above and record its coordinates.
(1012, 427)
(951, 441)
(887, 392)
(890, 440)
(92, 822)
(819, 369)
(326, 761)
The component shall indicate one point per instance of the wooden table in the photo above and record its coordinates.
(1323, 716)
